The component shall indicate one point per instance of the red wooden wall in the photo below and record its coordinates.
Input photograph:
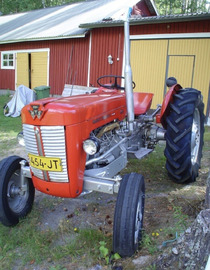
(171, 27)
(109, 40)
(104, 42)
(59, 63)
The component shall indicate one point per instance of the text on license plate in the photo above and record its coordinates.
(45, 163)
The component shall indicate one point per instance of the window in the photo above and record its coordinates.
(7, 60)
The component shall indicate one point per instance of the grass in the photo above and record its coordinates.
(152, 242)
(153, 164)
(206, 138)
(9, 128)
(26, 244)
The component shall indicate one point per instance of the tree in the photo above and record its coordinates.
(168, 7)
(14, 6)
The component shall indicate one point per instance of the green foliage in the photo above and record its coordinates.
(151, 267)
(104, 253)
(149, 243)
(14, 6)
(58, 267)
(9, 128)
(168, 7)
(165, 7)
(153, 163)
(180, 218)
(181, 222)
(207, 134)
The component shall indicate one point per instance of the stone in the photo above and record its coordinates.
(175, 251)
(142, 260)
(207, 200)
(193, 248)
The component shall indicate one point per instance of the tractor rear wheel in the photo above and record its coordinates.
(129, 211)
(14, 204)
(184, 136)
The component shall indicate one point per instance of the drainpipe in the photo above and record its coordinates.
(128, 74)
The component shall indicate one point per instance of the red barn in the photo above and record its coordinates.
(161, 47)
(71, 44)
(47, 46)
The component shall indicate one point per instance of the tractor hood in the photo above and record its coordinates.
(74, 109)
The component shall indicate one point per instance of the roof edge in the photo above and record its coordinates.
(42, 39)
(152, 7)
(136, 20)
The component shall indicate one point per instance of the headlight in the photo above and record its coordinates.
(20, 138)
(91, 146)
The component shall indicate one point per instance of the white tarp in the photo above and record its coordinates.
(23, 96)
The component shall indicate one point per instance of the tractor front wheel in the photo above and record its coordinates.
(14, 203)
(129, 211)
(184, 136)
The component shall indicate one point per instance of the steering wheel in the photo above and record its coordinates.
(115, 84)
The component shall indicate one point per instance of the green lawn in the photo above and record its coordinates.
(9, 128)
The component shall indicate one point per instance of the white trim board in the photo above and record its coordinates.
(89, 59)
(27, 50)
(171, 36)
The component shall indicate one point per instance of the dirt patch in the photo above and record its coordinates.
(89, 211)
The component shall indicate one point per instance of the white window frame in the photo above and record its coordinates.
(2, 59)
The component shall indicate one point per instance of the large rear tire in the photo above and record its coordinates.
(14, 204)
(129, 211)
(184, 136)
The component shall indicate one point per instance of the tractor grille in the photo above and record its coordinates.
(53, 140)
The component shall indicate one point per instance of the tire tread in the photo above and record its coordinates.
(178, 135)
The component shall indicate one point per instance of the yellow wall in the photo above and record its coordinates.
(200, 48)
(39, 62)
(22, 69)
(184, 75)
(148, 62)
(186, 59)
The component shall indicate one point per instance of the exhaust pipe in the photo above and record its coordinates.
(128, 74)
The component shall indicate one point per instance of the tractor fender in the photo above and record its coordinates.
(142, 102)
(165, 109)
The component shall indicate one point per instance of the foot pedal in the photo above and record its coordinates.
(139, 154)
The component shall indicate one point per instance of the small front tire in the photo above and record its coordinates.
(14, 204)
(129, 211)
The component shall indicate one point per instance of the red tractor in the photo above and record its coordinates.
(81, 143)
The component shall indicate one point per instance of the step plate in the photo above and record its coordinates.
(141, 153)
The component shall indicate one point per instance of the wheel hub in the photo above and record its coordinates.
(195, 137)
(138, 222)
(15, 197)
(13, 190)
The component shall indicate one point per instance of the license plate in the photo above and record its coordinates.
(45, 163)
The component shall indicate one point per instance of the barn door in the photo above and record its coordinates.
(148, 60)
(22, 69)
(32, 69)
(39, 69)
(182, 68)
